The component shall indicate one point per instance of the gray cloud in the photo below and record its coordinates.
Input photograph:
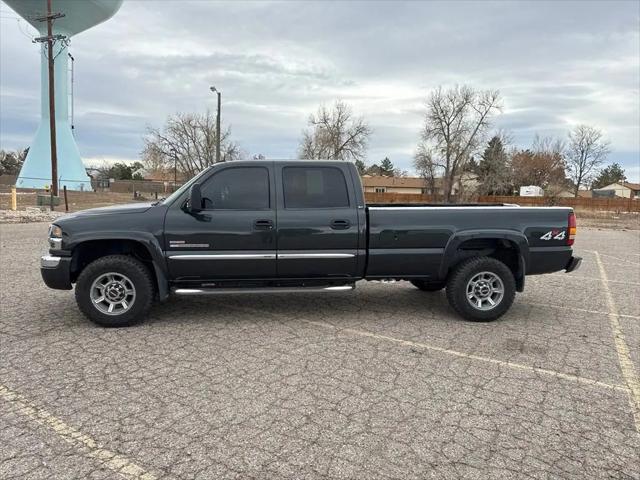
(556, 63)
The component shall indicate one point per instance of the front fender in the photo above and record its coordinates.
(518, 239)
(146, 239)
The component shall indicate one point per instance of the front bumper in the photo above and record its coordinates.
(56, 272)
(573, 264)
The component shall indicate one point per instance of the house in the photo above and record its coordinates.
(416, 185)
(585, 193)
(622, 189)
(161, 175)
(413, 185)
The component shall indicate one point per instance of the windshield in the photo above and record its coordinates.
(175, 195)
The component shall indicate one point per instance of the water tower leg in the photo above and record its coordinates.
(36, 171)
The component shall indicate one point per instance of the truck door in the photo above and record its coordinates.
(317, 230)
(234, 236)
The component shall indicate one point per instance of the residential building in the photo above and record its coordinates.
(415, 185)
(412, 185)
(623, 189)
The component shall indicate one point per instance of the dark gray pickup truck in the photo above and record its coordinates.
(281, 226)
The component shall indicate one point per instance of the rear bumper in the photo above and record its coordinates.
(56, 272)
(573, 264)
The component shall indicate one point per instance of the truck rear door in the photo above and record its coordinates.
(317, 227)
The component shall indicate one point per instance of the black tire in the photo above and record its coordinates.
(476, 268)
(427, 286)
(135, 273)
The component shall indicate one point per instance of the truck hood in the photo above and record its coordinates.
(111, 210)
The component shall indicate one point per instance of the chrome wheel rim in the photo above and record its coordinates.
(113, 293)
(485, 291)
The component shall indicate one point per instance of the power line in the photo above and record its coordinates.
(19, 22)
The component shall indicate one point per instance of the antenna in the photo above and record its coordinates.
(73, 62)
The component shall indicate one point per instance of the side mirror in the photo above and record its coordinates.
(195, 198)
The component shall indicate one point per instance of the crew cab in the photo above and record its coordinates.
(282, 226)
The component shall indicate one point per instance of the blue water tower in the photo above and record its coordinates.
(78, 17)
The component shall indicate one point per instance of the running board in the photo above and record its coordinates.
(223, 290)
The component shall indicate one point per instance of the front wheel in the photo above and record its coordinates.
(115, 291)
(481, 289)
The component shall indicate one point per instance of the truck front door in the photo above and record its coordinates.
(317, 222)
(234, 236)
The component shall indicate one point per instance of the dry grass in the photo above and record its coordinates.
(608, 220)
(77, 200)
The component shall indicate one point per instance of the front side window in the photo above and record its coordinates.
(238, 188)
(314, 187)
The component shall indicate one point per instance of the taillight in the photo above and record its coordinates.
(572, 229)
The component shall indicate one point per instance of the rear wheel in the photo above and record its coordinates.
(427, 286)
(115, 291)
(481, 289)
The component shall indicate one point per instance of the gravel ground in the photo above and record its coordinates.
(383, 383)
(30, 215)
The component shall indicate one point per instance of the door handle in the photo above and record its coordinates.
(263, 225)
(340, 224)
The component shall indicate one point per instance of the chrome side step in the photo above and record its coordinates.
(223, 290)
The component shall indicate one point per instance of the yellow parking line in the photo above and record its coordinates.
(82, 442)
(624, 356)
(517, 366)
(570, 308)
(564, 276)
(623, 260)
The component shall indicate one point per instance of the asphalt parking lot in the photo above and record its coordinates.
(383, 383)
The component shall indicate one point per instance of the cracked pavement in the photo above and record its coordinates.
(386, 382)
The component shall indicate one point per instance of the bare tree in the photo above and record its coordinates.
(11, 162)
(542, 165)
(455, 124)
(427, 168)
(335, 134)
(154, 160)
(586, 151)
(189, 140)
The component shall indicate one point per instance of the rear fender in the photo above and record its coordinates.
(518, 241)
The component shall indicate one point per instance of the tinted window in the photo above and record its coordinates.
(314, 187)
(240, 188)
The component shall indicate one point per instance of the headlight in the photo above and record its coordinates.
(55, 237)
(55, 231)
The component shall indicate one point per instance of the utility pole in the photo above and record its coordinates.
(215, 90)
(49, 18)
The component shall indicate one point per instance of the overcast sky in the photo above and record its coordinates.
(556, 64)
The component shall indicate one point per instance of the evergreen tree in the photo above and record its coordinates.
(472, 166)
(613, 173)
(361, 166)
(386, 167)
(493, 169)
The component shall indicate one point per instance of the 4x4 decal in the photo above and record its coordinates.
(554, 235)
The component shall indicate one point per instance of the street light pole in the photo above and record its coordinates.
(175, 168)
(215, 90)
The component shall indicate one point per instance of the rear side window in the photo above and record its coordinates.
(314, 187)
(239, 188)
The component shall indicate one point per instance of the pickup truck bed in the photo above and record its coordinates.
(299, 225)
(403, 239)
